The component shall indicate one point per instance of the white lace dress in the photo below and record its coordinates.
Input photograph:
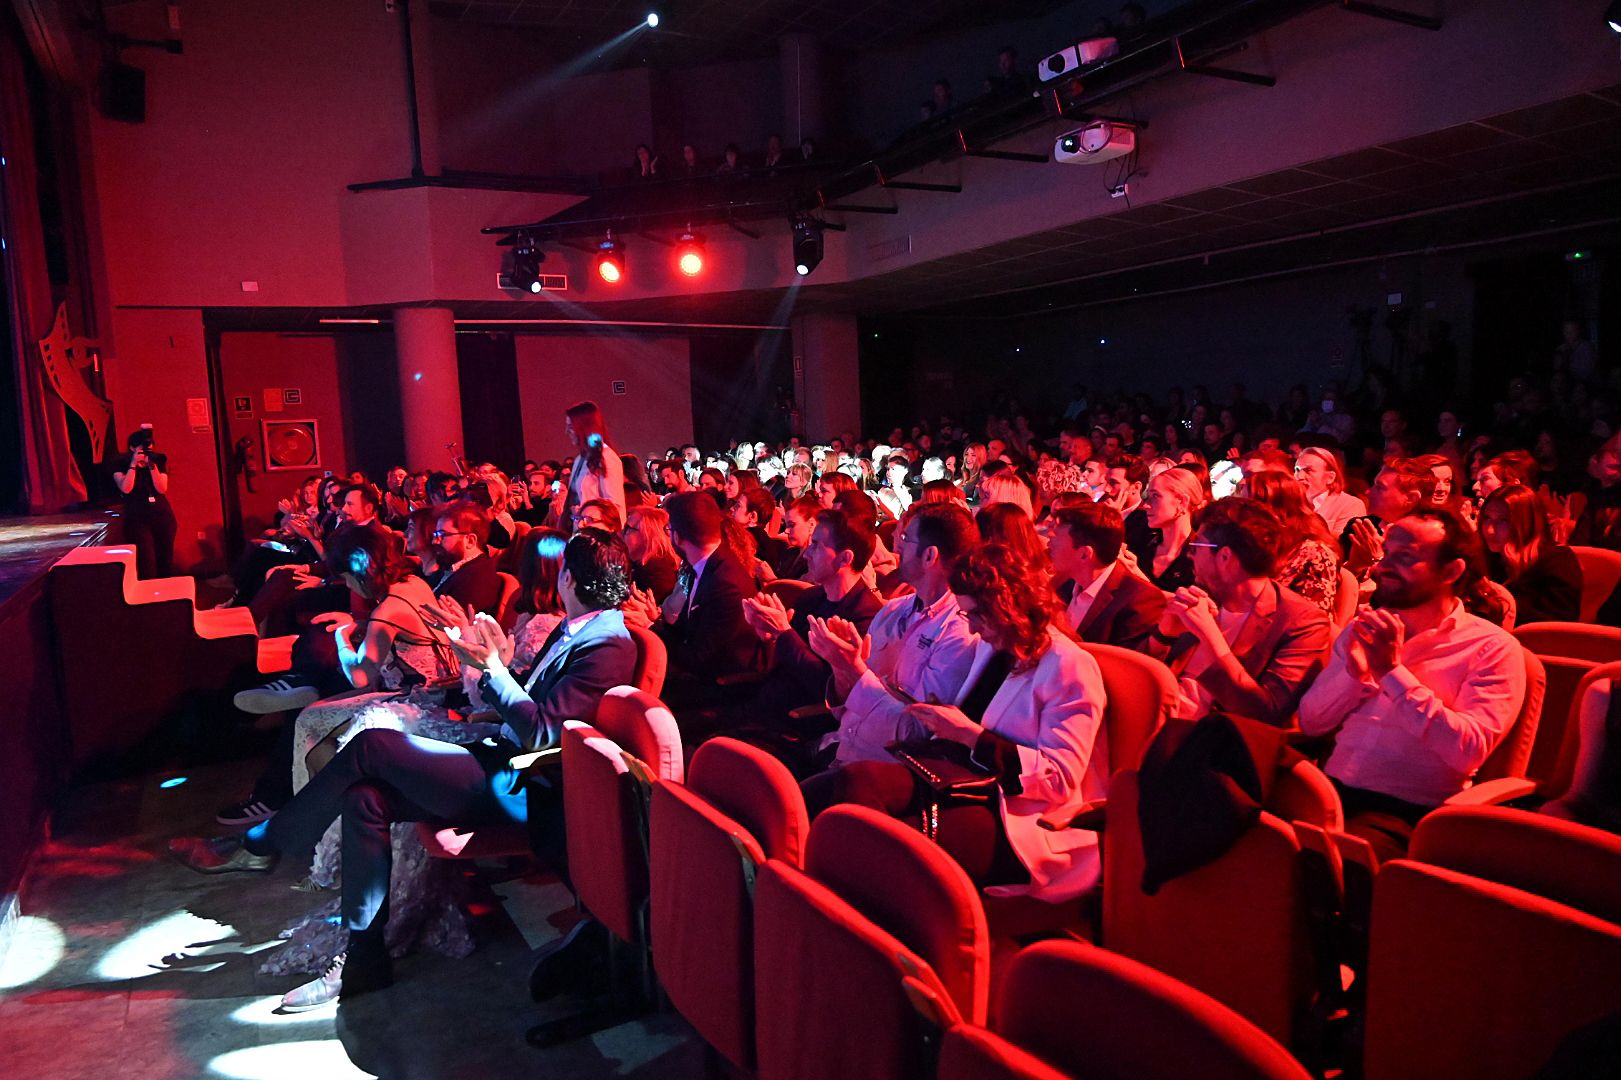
(424, 893)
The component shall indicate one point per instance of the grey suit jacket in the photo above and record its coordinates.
(574, 673)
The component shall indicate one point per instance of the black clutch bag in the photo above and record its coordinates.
(946, 768)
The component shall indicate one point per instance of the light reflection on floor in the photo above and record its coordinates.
(35, 949)
(164, 946)
(324, 1058)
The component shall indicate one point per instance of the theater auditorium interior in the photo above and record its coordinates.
(810, 539)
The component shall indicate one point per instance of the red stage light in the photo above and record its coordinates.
(689, 254)
(610, 269)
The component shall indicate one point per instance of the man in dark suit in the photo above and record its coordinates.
(469, 576)
(382, 776)
(836, 556)
(702, 622)
(1239, 642)
(1107, 604)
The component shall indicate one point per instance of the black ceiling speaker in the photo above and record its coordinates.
(123, 93)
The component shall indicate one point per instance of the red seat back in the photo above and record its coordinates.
(739, 807)
(1235, 929)
(603, 803)
(652, 660)
(877, 905)
(1141, 694)
(1468, 977)
(1601, 572)
(1083, 1011)
(1512, 754)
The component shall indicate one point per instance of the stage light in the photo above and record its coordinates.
(173, 782)
(807, 245)
(1613, 16)
(652, 20)
(521, 265)
(689, 254)
(610, 260)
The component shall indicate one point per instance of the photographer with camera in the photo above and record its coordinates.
(149, 524)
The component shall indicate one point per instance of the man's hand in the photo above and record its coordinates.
(303, 579)
(845, 650)
(1193, 608)
(1367, 546)
(946, 722)
(1383, 636)
(328, 619)
(766, 615)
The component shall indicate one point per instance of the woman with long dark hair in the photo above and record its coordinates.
(597, 472)
(1544, 578)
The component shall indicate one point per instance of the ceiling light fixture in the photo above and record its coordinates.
(652, 20)
(610, 260)
(522, 270)
(1613, 16)
(689, 253)
(807, 245)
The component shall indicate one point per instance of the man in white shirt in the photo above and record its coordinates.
(1321, 472)
(1418, 691)
(918, 648)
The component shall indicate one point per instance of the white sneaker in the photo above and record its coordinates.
(282, 695)
(316, 992)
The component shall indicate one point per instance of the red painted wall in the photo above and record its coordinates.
(556, 370)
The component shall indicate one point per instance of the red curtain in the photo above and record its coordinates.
(51, 477)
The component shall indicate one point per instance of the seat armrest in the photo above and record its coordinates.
(1090, 816)
(742, 678)
(1494, 792)
(813, 711)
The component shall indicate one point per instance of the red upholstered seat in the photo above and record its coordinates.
(877, 903)
(1236, 929)
(602, 802)
(1070, 1009)
(739, 807)
(1485, 956)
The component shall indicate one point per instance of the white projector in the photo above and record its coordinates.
(1101, 140)
(1076, 56)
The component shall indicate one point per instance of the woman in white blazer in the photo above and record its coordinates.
(1031, 712)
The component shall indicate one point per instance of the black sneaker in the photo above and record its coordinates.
(248, 812)
(283, 695)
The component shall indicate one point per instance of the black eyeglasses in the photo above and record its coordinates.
(440, 534)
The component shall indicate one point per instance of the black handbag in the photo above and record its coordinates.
(946, 774)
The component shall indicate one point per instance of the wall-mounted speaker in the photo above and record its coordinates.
(123, 93)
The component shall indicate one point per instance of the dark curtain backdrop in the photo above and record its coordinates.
(742, 386)
(492, 418)
(51, 480)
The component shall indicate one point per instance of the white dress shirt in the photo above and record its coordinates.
(926, 654)
(1420, 732)
(1082, 601)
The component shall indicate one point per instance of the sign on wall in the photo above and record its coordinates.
(197, 415)
(242, 407)
(292, 395)
(291, 444)
(272, 399)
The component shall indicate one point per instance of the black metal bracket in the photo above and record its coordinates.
(852, 208)
(1381, 11)
(1229, 74)
(913, 185)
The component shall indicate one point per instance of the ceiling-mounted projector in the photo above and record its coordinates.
(1101, 140)
(1077, 56)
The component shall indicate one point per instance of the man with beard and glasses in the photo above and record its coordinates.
(1419, 692)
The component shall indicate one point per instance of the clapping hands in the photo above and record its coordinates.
(478, 640)
(845, 650)
(641, 610)
(1193, 610)
(1379, 636)
(766, 615)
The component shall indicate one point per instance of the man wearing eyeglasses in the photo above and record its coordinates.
(1237, 641)
(468, 575)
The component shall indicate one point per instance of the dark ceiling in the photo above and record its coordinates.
(1550, 170)
(703, 31)
(1548, 176)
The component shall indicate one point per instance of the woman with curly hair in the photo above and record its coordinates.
(1308, 558)
(1029, 718)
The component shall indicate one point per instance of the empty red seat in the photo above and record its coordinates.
(1498, 938)
(739, 807)
(1072, 1010)
(875, 905)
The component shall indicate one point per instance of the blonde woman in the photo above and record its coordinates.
(1163, 556)
(1005, 487)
